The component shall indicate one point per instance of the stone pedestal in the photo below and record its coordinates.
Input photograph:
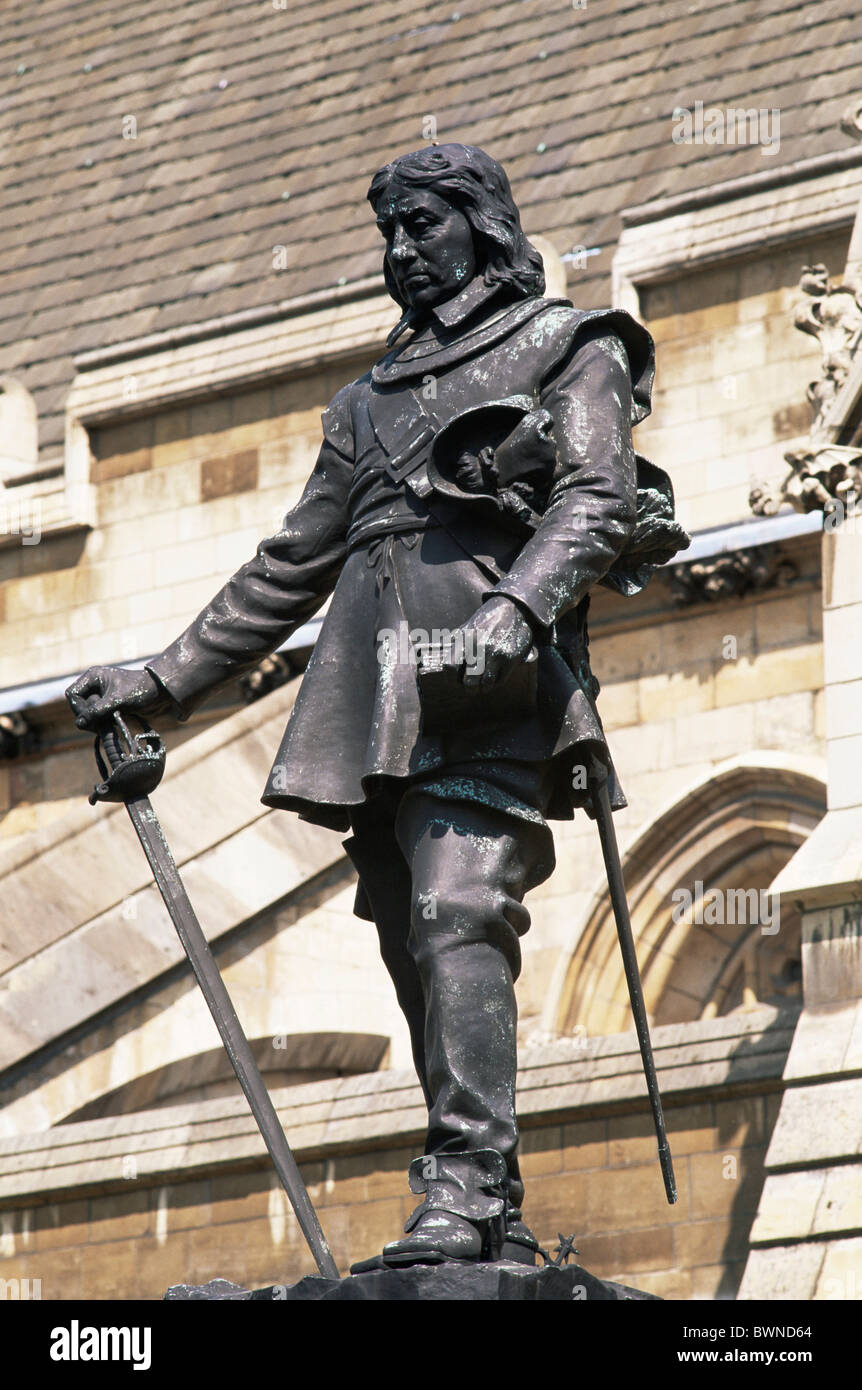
(484, 1283)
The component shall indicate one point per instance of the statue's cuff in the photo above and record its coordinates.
(539, 625)
(160, 668)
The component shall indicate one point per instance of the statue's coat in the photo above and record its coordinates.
(393, 553)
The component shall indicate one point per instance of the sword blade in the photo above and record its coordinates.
(238, 1049)
(619, 903)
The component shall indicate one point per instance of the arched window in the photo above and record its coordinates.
(709, 940)
(290, 1060)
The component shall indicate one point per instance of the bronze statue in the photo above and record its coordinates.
(469, 492)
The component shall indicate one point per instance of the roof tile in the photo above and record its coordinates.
(238, 103)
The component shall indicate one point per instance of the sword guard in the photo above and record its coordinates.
(137, 761)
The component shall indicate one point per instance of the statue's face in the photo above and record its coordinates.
(429, 245)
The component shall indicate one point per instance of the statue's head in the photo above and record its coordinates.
(447, 214)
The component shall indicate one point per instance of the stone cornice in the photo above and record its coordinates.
(746, 217)
(244, 319)
(571, 1079)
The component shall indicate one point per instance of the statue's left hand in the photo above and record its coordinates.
(496, 638)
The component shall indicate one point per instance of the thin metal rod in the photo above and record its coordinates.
(616, 885)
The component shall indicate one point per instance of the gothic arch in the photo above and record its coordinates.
(285, 1060)
(734, 831)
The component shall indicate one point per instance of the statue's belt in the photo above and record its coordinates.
(375, 528)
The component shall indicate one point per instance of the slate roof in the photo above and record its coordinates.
(239, 104)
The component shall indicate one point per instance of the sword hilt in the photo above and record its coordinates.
(137, 761)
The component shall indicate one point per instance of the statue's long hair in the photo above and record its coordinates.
(474, 183)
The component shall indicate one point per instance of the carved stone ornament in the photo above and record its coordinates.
(851, 121)
(733, 575)
(833, 315)
(821, 477)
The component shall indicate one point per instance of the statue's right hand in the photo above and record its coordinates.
(104, 689)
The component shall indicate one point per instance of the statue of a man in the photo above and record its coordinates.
(475, 483)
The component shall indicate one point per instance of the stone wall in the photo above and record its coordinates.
(731, 374)
(677, 702)
(124, 1207)
(183, 499)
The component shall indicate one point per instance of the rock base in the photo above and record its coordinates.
(486, 1283)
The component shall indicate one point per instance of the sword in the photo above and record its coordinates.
(604, 819)
(135, 771)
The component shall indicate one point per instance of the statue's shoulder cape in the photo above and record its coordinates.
(562, 323)
(657, 535)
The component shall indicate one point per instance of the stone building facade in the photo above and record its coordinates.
(158, 430)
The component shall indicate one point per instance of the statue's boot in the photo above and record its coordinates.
(519, 1244)
(463, 1215)
(469, 865)
(436, 1234)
